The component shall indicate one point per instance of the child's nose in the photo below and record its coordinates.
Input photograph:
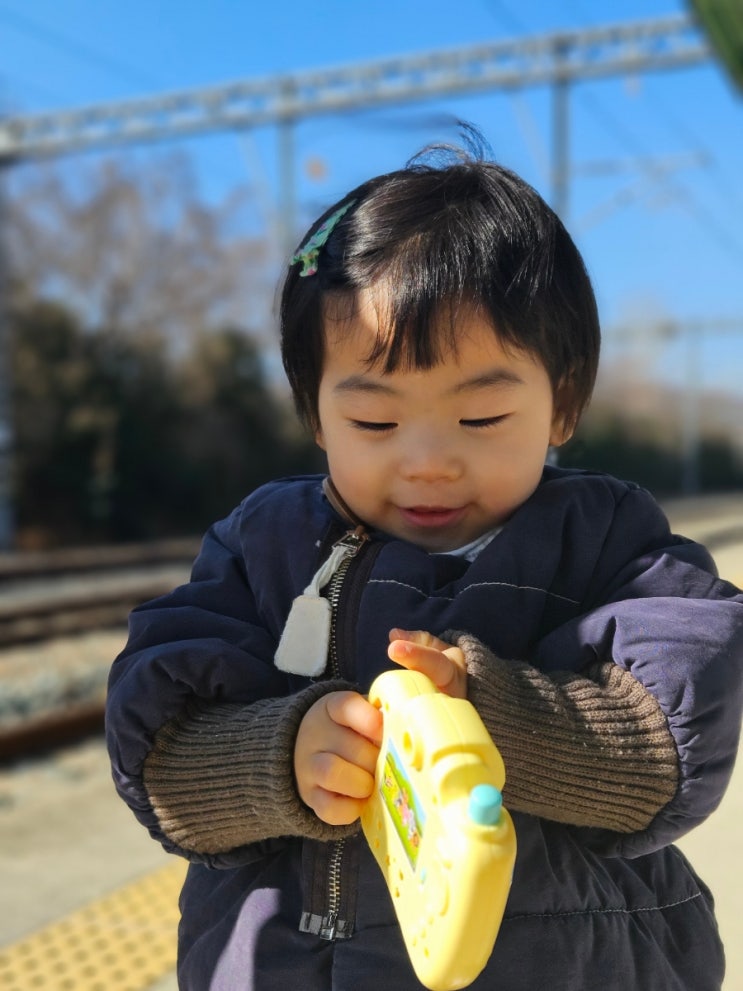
(431, 458)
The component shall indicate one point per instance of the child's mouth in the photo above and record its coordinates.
(432, 516)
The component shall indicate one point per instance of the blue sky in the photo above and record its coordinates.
(659, 249)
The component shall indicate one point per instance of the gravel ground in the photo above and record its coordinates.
(39, 678)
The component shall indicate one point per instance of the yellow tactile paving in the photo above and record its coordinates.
(124, 941)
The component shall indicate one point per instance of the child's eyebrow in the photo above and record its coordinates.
(359, 383)
(494, 377)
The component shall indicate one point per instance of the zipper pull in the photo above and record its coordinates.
(303, 647)
(329, 926)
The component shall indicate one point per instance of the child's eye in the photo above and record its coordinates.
(372, 426)
(486, 421)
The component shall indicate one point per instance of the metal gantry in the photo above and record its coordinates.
(555, 58)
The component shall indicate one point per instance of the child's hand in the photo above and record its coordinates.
(442, 663)
(335, 756)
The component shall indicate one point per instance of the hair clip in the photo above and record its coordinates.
(309, 253)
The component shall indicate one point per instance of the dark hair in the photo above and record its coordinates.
(433, 233)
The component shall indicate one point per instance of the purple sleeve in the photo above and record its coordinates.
(678, 629)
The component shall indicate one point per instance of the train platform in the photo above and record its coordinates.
(88, 902)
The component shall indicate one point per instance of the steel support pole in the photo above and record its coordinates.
(7, 516)
(287, 181)
(690, 411)
(561, 144)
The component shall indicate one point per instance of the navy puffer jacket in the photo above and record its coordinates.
(586, 570)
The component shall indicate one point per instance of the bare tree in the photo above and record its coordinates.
(134, 250)
(130, 398)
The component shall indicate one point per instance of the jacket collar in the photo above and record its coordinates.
(336, 501)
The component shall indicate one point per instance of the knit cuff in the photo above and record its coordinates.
(589, 750)
(220, 776)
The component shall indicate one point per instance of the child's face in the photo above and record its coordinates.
(439, 456)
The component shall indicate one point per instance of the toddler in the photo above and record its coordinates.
(440, 335)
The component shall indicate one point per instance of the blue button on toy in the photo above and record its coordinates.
(485, 805)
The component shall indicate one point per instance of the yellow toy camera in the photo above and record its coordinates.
(436, 826)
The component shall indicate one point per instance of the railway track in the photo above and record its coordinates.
(62, 620)
(43, 595)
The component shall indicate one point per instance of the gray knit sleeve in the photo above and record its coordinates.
(589, 750)
(221, 775)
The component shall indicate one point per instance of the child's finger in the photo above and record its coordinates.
(342, 777)
(353, 711)
(445, 667)
(421, 637)
(336, 810)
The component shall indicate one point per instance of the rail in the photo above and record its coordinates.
(65, 596)
(57, 593)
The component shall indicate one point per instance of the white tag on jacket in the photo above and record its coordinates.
(303, 648)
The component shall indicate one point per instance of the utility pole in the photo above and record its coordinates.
(7, 527)
(560, 136)
(691, 333)
(691, 432)
(287, 174)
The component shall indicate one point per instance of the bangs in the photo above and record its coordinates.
(422, 244)
(418, 287)
(413, 331)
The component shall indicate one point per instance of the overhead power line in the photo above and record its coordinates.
(71, 46)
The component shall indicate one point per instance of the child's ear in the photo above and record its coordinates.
(319, 439)
(563, 417)
(562, 430)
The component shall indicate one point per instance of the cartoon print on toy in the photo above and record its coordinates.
(402, 804)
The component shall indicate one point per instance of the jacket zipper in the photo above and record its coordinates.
(354, 541)
(328, 930)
